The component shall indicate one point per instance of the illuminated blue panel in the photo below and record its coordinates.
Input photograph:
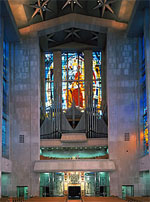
(5, 113)
(49, 81)
(97, 82)
(64, 67)
(64, 95)
(144, 102)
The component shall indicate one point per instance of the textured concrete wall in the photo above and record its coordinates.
(74, 165)
(88, 58)
(1, 88)
(26, 114)
(91, 142)
(122, 91)
(145, 183)
(42, 77)
(57, 74)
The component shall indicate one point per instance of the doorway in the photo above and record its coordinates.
(22, 191)
(74, 192)
(45, 192)
(127, 190)
(103, 191)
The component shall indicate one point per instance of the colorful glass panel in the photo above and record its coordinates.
(72, 66)
(64, 95)
(5, 113)
(73, 80)
(49, 80)
(144, 101)
(97, 81)
(64, 67)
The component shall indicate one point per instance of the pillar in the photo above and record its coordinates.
(57, 74)
(42, 76)
(25, 117)
(88, 58)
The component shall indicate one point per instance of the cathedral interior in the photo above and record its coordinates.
(74, 98)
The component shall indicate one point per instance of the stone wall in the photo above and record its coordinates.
(26, 114)
(57, 75)
(42, 79)
(88, 58)
(122, 99)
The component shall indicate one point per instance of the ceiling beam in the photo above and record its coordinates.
(126, 9)
(19, 13)
(73, 20)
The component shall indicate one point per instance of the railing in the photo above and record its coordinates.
(93, 134)
(57, 135)
(53, 135)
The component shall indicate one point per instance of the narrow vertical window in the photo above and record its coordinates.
(5, 115)
(49, 81)
(144, 101)
(97, 82)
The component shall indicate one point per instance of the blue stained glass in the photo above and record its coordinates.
(64, 67)
(72, 66)
(49, 81)
(3, 131)
(143, 49)
(97, 86)
(49, 68)
(5, 117)
(64, 95)
(143, 101)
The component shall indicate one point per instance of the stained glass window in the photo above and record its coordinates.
(5, 117)
(73, 80)
(97, 82)
(49, 81)
(144, 101)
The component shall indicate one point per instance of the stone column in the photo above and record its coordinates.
(25, 118)
(57, 75)
(122, 98)
(11, 101)
(88, 58)
(42, 76)
(147, 64)
(1, 87)
(104, 72)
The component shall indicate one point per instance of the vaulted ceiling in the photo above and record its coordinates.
(32, 12)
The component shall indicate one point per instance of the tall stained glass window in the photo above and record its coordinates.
(5, 117)
(144, 101)
(73, 88)
(97, 82)
(49, 81)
